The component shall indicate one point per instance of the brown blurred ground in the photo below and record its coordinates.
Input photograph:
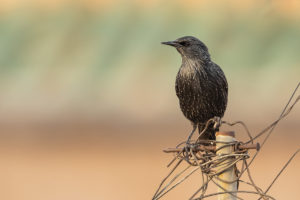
(89, 166)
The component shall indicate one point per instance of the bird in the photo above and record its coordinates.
(201, 86)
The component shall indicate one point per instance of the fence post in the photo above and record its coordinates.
(228, 175)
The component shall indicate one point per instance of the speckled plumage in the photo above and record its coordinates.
(201, 85)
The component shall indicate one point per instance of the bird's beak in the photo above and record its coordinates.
(171, 43)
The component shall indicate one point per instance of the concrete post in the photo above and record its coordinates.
(228, 175)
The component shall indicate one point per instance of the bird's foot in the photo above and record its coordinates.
(188, 145)
(191, 134)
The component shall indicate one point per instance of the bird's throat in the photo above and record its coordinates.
(190, 67)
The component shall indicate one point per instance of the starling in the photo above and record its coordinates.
(201, 85)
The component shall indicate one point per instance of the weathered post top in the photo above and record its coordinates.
(226, 133)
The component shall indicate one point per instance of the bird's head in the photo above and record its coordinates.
(190, 47)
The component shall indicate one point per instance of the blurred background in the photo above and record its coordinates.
(87, 99)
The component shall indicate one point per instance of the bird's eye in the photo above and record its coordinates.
(184, 43)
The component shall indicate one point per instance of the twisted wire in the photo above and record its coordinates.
(210, 165)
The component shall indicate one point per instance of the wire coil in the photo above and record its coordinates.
(200, 155)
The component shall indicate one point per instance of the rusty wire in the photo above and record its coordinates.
(211, 165)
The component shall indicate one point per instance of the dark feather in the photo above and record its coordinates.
(201, 85)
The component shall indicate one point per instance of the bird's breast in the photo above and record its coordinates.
(188, 82)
